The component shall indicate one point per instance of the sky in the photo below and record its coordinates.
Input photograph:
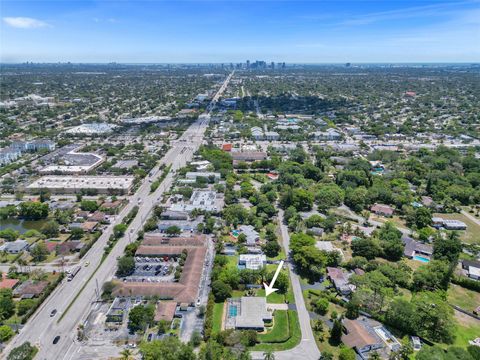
(158, 31)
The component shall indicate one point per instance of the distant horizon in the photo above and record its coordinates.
(184, 32)
(227, 63)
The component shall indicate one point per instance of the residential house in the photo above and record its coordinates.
(472, 268)
(14, 247)
(340, 280)
(383, 210)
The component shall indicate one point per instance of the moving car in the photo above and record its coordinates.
(56, 340)
(53, 312)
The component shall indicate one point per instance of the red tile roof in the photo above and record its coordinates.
(7, 283)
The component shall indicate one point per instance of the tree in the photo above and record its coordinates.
(430, 353)
(169, 348)
(321, 306)
(23, 352)
(346, 354)
(221, 291)
(140, 317)
(433, 276)
(89, 205)
(367, 248)
(125, 266)
(281, 283)
(6, 332)
(329, 195)
(447, 248)
(336, 332)
(51, 229)
(9, 234)
(119, 230)
(271, 248)
(433, 317)
(39, 252)
(420, 217)
(23, 306)
(173, 230)
(33, 210)
(76, 233)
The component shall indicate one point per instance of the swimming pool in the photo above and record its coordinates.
(235, 233)
(232, 311)
(421, 258)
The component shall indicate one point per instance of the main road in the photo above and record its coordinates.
(307, 348)
(73, 300)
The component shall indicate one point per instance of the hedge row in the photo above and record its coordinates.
(466, 282)
(209, 317)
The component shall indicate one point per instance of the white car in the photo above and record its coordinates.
(417, 344)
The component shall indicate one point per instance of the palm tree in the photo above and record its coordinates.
(268, 355)
(126, 354)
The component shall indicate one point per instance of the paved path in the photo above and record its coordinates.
(307, 348)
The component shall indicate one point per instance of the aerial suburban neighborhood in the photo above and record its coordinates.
(239, 210)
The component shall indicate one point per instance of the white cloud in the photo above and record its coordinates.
(25, 22)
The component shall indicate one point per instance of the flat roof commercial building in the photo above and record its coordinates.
(75, 184)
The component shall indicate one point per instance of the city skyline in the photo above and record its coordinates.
(225, 32)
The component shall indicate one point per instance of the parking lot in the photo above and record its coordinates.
(153, 269)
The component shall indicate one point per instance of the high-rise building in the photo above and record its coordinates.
(248, 64)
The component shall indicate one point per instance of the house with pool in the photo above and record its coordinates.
(416, 250)
(247, 313)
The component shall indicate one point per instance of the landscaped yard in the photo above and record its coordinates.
(472, 234)
(294, 335)
(279, 332)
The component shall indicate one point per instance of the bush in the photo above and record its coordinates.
(466, 283)
(6, 333)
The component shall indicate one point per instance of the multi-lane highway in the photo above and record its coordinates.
(78, 296)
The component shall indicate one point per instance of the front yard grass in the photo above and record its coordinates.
(279, 333)
(293, 339)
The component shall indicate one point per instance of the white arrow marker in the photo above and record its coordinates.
(269, 288)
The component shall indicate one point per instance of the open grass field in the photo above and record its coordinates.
(466, 299)
(468, 329)
(472, 234)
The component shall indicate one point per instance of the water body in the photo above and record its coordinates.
(21, 226)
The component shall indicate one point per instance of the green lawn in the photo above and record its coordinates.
(280, 332)
(273, 298)
(464, 298)
(465, 333)
(232, 262)
(294, 336)
(217, 318)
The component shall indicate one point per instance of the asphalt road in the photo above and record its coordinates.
(307, 348)
(41, 328)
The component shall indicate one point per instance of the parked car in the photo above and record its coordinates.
(53, 312)
(56, 339)
(417, 344)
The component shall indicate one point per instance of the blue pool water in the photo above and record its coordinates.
(421, 258)
(232, 311)
(235, 233)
